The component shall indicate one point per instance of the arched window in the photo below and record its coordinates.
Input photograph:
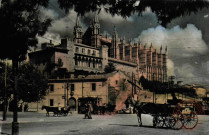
(89, 63)
(76, 49)
(89, 51)
(83, 50)
(60, 63)
(94, 65)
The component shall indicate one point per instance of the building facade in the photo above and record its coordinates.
(90, 52)
(111, 88)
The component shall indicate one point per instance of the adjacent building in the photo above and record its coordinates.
(111, 88)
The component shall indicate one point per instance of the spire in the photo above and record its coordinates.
(115, 34)
(77, 31)
(145, 46)
(151, 45)
(96, 20)
(161, 48)
(115, 31)
(106, 36)
(77, 22)
(166, 49)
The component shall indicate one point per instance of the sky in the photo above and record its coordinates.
(186, 37)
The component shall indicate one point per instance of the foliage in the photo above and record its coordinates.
(109, 68)
(32, 85)
(162, 88)
(112, 96)
(20, 23)
(8, 78)
(165, 10)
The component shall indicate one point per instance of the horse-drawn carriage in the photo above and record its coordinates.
(56, 111)
(176, 116)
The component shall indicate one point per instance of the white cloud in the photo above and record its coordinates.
(170, 66)
(205, 16)
(55, 38)
(185, 71)
(185, 42)
(47, 13)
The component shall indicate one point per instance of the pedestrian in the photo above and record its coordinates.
(89, 111)
(86, 111)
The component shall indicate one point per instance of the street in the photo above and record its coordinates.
(32, 123)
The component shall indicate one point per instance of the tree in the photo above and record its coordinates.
(20, 23)
(165, 10)
(109, 68)
(31, 84)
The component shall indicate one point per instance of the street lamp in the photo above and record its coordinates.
(82, 84)
(15, 124)
(67, 90)
(5, 93)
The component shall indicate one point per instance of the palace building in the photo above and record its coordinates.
(89, 52)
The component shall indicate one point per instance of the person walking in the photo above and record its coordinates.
(87, 111)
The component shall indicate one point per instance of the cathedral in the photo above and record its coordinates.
(90, 52)
(76, 68)
(143, 60)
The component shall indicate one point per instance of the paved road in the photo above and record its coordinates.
(120, 124)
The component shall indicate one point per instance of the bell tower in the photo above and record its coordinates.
(78, 31)
(114, 53)
(95, 27)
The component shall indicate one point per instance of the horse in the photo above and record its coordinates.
(150, 108)
(110, 108)
(55, 110)
(102, 109)
(64, 111)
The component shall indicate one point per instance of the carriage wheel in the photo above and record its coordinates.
(178, 121)
(190, 120)
(169, 121)
(160, 121)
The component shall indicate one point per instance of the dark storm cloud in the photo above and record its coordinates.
(129, 27)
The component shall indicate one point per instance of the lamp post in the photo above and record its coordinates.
(15, 124)
(5, 93)
(82, 84)
(67, 90)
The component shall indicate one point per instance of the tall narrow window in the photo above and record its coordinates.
(51, 88)
(116, 82)
(76, 49)
(60, 63)
(94, 53)
(51, 102)
(76, 62)
(83, 50)
(89, 51)
(93, 64)
(72, 88)
(93, 86)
